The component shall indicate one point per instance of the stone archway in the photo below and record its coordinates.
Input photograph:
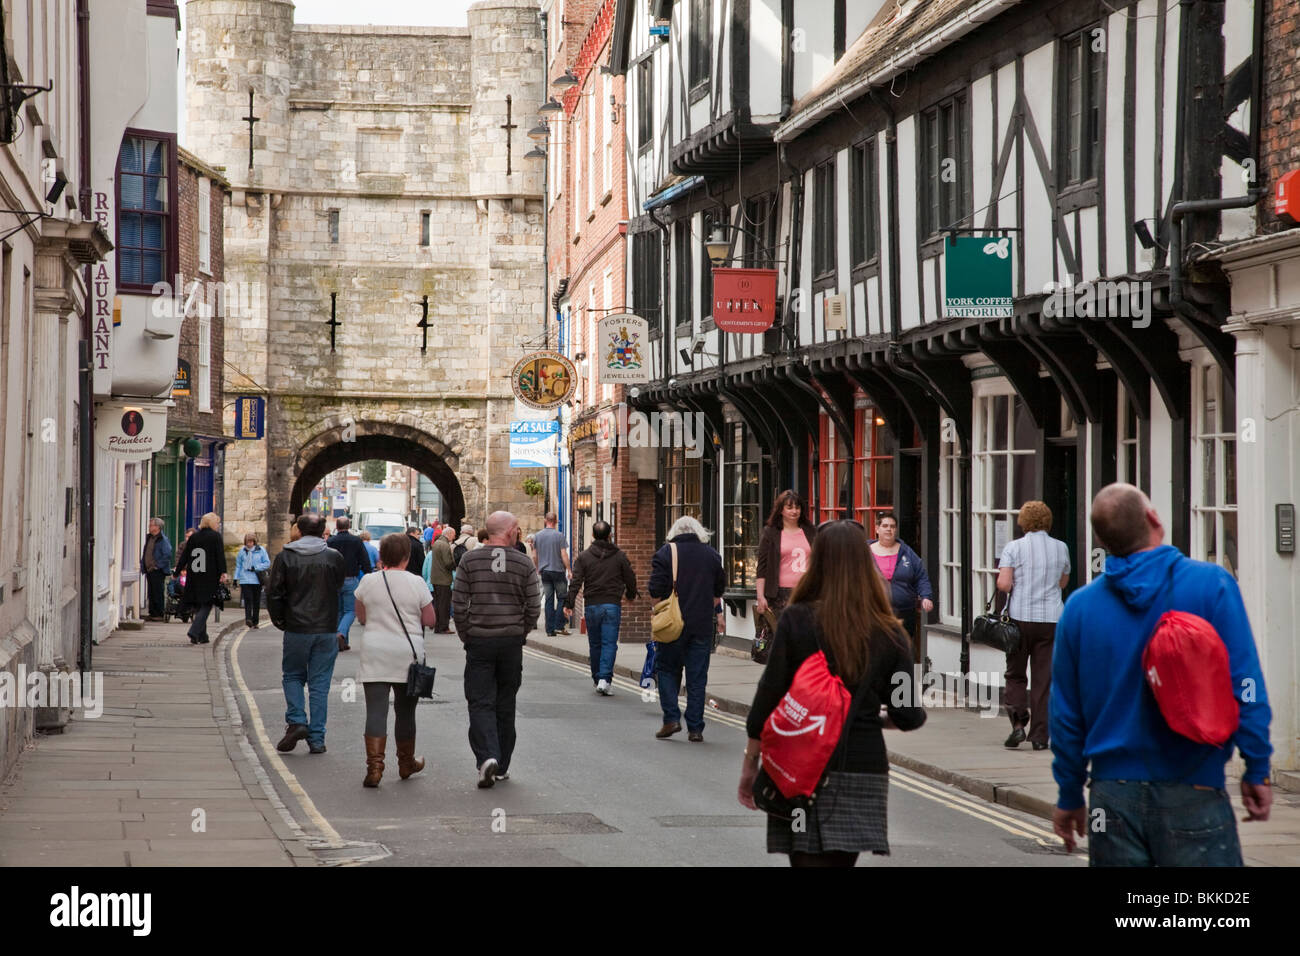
(347, 442)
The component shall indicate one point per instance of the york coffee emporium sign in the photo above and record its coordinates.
(744, 300)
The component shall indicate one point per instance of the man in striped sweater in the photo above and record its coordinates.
(496, 600)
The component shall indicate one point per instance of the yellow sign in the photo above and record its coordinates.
(543, 380)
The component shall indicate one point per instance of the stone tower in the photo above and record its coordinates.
(388, 166)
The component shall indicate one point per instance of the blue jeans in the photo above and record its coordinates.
(1138, 823)
(308, 659)
(692, 652)
(555, 588)
(347, 606)
(602, 637)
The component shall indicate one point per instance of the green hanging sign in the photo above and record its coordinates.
(977, 277)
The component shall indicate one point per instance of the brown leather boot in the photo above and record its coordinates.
(374, 760)
(407, 762)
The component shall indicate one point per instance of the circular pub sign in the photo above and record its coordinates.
(543, 380)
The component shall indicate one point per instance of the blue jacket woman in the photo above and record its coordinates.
(902, 568)
(250, 559)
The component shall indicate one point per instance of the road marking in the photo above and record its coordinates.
(954, 799)
(623, 683)
(328, 833)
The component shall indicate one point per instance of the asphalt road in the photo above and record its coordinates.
(589, 783)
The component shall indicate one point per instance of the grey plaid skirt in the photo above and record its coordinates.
(850, 815)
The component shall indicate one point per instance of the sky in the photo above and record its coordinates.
(415, 13)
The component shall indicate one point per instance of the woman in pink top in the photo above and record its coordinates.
(783, 551)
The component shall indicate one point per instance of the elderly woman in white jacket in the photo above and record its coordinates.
(394, 607)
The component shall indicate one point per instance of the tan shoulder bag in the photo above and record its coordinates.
(666, 622)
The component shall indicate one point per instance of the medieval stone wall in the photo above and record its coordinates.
(363, 132)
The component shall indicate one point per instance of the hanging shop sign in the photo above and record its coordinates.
(543, 380)
(182, 384)
(744, 300)
(130, 432)
(621, 349)
(250, 417)
(534, 444)
(977, 277)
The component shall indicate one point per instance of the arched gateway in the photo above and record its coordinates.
(383, 246)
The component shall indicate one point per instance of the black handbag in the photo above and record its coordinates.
(768, 796)
(996, 630)
(419, 677)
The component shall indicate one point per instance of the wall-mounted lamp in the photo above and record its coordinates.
(540, 131)
(551, 106)
(566, 81)
(535, 153)
(582, 500)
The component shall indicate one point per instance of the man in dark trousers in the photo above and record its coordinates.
(496, 598)
(415, 564)
(356, 562)
(604, 570)
(303, 599)
(442, 563)
(155, 561)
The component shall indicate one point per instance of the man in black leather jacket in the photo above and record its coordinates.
(303, 598)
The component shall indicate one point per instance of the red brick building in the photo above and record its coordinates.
(587, 263)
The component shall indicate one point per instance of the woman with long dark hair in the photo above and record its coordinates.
(842, 608)
(783, 550)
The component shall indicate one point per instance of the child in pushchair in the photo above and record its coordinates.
(175, 605)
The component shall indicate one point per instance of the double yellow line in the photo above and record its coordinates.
(905, 780)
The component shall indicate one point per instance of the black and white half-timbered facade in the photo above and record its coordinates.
(848, 144)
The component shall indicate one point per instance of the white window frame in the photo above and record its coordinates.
(985, 518)
(606, 391)
(205, 225)
(1218, 503)
(607, 109)
(591, 149)
(204, 390)
(590, 332)
(1128, 448)
(950, 518)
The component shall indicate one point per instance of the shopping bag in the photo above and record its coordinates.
(648, 668)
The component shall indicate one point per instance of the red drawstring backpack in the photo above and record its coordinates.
(801, 734)
(1186, 667)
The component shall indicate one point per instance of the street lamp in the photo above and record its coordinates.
(551, 106)
(535, 153)
(566, 81)
(540, 132)
(719, 245)
(582, 500)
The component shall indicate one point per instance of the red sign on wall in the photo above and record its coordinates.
(744, 300)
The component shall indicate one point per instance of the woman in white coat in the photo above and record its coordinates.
(394, 607)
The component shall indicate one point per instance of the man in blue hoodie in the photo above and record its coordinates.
(1158, 798)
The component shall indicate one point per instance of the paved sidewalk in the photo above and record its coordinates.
(960, 747)
(122, 789)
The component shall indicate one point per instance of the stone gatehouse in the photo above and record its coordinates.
(387, 166)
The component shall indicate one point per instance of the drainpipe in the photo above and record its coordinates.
(665, 334)
(1177, 301)
(787, 58)
(85, 366)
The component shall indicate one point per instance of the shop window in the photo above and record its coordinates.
(873, 465)
(1214, 469)
(741, 507)
(950, 532)
(1129, 443)
(681, 486)
(1005, 439)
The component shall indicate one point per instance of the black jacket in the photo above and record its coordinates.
(356, 559)
(769, 556)
(415, 563)
(303, 592)
(700, 581)
(605, 572)
(201, 586)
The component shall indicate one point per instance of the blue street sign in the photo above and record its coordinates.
(250, 417)
(659, 30)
